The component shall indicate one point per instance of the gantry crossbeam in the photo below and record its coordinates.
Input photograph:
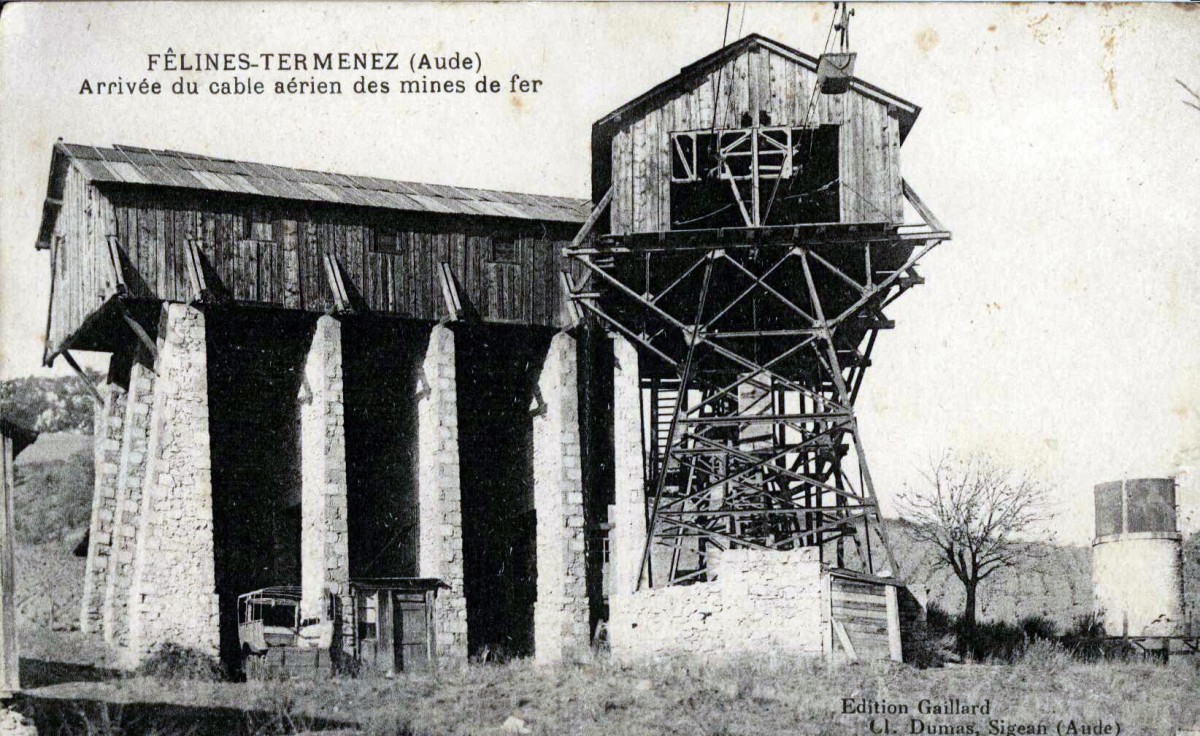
(754, 343)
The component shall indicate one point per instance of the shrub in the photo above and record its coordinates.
(53, 499)
(991, 641)
(1086, 639)
(173, 662)
(1038, 628)
(938, 621)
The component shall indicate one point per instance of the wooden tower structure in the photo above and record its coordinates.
(747, 237)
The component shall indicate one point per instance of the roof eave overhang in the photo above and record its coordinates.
(21, 436)
(60, 159)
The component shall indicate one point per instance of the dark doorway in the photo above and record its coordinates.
(380, 359)
(255, 361)
(497, 368)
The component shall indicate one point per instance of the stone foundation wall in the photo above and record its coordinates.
(132, 474)
(439, 490)
(560, 617)
(106, 444)
(324, 556)
(172, 597)
(761, 601)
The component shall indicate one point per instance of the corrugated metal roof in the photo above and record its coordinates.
(144, 166)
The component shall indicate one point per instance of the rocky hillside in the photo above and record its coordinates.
(52, 506)
(1055, 582)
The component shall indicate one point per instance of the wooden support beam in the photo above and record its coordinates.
(919, 205)
(91, 387)
(591, 220)
(337, 285)
(140, 332)
(10, 678)
(195, 269)
(450, 294)
(844, 639)
(115, 266)
(574, 315)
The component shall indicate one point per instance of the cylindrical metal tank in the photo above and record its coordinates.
(1137, 558)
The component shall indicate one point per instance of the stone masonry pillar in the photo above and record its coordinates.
(324, 554)
(560, 616)
(132, 474)
(439, 493)
(106, 445)
(173, 596)
(629, 509)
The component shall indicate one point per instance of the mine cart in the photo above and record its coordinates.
(394, 624)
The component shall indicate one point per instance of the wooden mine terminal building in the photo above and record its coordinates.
(537, 412)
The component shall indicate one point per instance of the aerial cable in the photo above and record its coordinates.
(844, 28)
(717, 81)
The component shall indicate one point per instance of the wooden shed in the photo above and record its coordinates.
(394, 622)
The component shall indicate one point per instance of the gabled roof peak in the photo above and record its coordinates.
(907, 111)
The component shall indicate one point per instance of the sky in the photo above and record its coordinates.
(1057, 331)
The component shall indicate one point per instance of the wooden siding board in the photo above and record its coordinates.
(754, 81)
(153, 229)
(640, 176)
(654, 184)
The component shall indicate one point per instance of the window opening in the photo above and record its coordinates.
(752, 177)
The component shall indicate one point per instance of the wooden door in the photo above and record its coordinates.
(411, 633)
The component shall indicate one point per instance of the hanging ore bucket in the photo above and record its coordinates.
(834, 72)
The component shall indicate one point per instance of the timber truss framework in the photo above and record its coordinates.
(756, 341)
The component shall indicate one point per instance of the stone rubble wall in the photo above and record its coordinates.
(560, 616)
(439, 491)
(132, 474)
(172, 597)
(762, 601)
(628, 512)
(107, 435)
(324, 551)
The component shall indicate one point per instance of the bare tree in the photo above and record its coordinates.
(978, 516)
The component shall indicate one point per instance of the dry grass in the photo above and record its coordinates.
(675, 697)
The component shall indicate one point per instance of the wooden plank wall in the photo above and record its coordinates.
(861, 608)
(81, 279)
(869, 138)
(270, 252)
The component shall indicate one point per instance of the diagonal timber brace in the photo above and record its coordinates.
(754, 346)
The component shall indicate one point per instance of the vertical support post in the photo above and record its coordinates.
(834, 367)
(324, 547)
(560, 616)
(629, 508)
(173, 598)
(107, 434)
(135, 443)
(439, 494)
(895, 641)
(10, 677)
